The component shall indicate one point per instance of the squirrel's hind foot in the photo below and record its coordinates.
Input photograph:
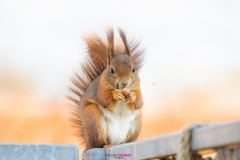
(108, 145)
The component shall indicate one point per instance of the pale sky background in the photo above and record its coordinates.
(188, 43)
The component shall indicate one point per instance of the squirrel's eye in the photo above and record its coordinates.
(133, 70)
(112, 70)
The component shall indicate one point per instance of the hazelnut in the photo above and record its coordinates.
(125, 92)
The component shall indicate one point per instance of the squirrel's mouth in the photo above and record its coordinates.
(121, 85)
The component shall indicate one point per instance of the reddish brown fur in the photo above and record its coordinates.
(97, 87)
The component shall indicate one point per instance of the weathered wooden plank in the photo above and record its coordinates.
(94, 154)
(216, 135)
(151, 148)
(38, 152)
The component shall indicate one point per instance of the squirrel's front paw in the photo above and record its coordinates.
(117, 95)
(131, 98)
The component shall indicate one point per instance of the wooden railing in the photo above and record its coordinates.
(221, 139)
(224, 139)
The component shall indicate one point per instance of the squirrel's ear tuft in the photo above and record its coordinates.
(110, 38)
(124, 39)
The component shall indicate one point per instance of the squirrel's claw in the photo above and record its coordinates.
(131, 98)
(117, 95)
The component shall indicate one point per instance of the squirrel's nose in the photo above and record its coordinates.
(124, 84)
(117, 85)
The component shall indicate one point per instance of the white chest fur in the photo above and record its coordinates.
(119, 122)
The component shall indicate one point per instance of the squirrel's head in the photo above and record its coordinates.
(121, 70)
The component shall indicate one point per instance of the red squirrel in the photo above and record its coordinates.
(107, 96)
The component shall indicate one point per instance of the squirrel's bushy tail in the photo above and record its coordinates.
(95, 64)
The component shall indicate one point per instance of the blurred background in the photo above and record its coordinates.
(191, 71)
